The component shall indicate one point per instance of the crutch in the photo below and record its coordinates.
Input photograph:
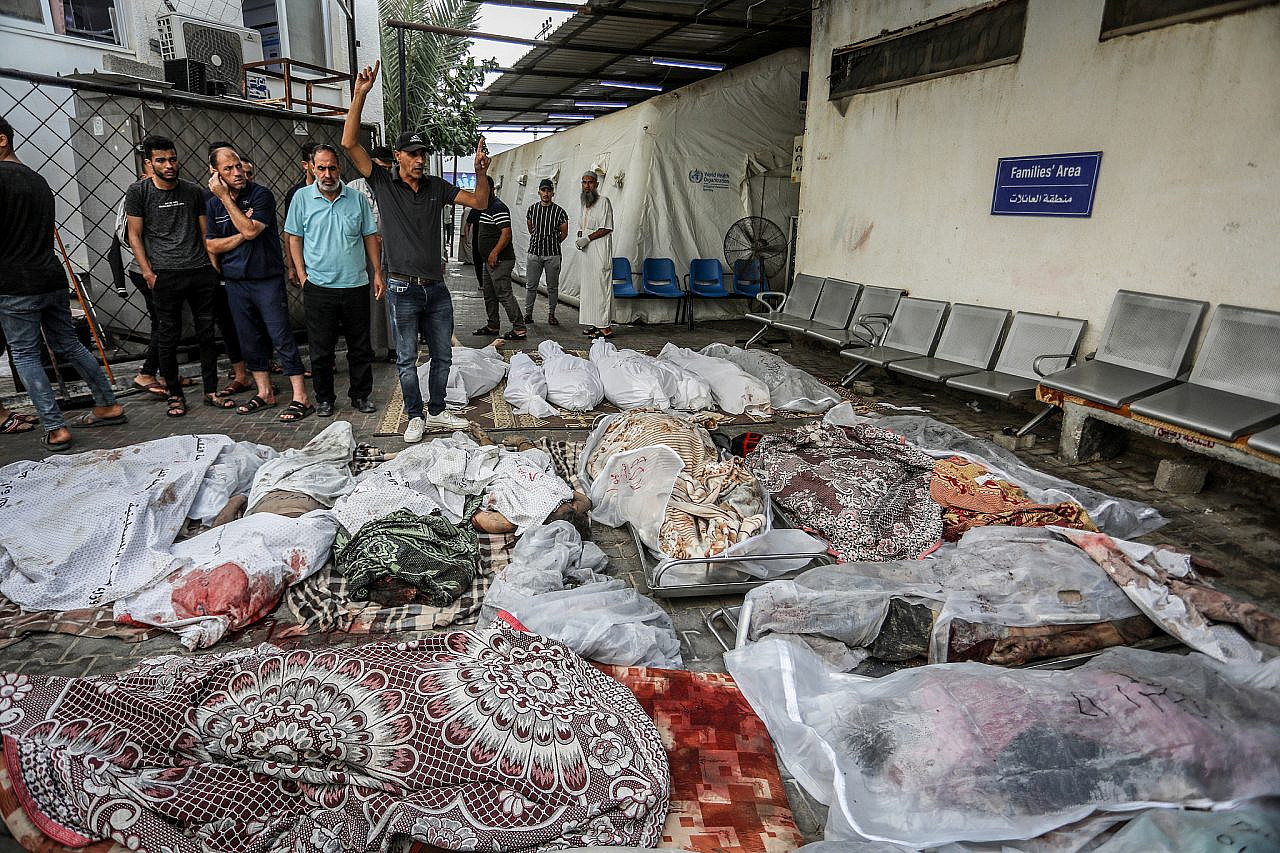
(84, 306)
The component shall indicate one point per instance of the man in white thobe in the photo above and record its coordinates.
(595, 293)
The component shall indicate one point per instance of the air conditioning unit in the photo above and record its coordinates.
(220, 48)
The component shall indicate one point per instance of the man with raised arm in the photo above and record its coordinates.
(410, 204)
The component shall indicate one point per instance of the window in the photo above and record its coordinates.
(986, 35)
(95, 20)
(1124, 17)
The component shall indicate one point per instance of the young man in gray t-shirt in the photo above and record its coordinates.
(166, 218)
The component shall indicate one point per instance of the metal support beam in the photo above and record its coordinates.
(544, 43)
(631, 14)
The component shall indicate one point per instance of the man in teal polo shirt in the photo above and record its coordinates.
(333, 242)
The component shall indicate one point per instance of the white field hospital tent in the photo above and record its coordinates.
(679, 169)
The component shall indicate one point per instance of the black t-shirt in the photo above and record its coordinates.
(289, 194)
(493, 219)
(171, 232)
(28, 265)
(411, 222)
(253, 259)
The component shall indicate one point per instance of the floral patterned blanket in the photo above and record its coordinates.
(470, 740)
(862, 488)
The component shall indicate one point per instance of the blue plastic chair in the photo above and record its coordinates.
(748, 278)
(658, 279)
(705, 279)
(624, 286)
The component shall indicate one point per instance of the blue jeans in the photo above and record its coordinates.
(428, 309)
(22, 318)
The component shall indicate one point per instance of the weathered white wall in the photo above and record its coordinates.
(897, 189)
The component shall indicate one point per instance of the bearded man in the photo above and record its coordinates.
(595, 292)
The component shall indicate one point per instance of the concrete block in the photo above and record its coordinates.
(1180, 478)
(1014, 442)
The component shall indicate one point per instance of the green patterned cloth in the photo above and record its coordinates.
(428, 551)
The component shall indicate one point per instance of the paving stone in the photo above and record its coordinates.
(1180, 477)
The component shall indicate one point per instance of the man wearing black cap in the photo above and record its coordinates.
(410, 205)
(548, 228)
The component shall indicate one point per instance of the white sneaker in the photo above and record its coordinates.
(444, 420)
(413, 432)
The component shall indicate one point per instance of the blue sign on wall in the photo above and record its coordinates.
(1046, 185)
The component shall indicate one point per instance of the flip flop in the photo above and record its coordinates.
(177, 407)
(254, 404)
(15, 423)
(56, 446)
(296, 411)
(91, 421)
(155, 389)
(235, 388)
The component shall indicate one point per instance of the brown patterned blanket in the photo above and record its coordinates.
(492, 739)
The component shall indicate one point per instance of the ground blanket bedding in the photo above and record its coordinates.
(491, 740)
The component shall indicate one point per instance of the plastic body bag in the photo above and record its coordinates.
(321, 468)
(573, 383)
(527, 388)
(790, 388)
(472, 373)
(1114, 516)
(995, 576)
(735, 390)
(632, 380)
(958, 752)
(553, 586)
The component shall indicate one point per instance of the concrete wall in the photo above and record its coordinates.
(897, 184)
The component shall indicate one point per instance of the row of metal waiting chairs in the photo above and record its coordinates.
(1141, 360)
(706, 279)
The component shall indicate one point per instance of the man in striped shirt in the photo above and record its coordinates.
(498, 259)
(548, 228)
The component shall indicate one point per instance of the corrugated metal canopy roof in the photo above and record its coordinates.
(549, 78)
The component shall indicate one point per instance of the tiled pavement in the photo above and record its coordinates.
(1233, 524)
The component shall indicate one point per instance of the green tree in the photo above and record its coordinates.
(439, 74)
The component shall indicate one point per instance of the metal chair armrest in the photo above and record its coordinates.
(763, 300)
(1035, 365)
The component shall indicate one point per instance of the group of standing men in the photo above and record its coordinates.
(185, 239)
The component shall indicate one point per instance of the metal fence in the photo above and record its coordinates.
(82, 137)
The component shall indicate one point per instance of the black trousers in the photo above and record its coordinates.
(334, 311)
(196, 289)
(226, 323)
(152, 362)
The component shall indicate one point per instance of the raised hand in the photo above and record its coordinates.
(482, 159)
(364, 80)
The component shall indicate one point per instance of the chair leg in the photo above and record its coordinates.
(1040, 418)
(757, 336)
(854, 373)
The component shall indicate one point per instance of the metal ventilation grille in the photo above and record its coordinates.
(1149, 332)
(219, 50)
(1241, 353)
(971, 335)
(166, 40)
(1034, 335)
